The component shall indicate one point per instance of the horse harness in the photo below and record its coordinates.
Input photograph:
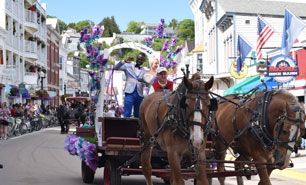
(258, 124)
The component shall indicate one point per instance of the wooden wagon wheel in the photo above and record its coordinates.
(87, 173)
(112, 175)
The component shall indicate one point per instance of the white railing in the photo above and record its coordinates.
(30, 46)
(21, 43)
(8, 5)
(30, 16)
(8, 39)
(15, 42)
(30, 78)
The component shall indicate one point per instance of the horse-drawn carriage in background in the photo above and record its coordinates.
(77, 111)
(184, 136)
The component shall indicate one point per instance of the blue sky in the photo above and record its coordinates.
(124, 11)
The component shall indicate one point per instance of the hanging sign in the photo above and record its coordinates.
(242, 73)
(22, 89)
(283, 69)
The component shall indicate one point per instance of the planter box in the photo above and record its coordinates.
(85, 132)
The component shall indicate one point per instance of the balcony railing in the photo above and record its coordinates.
(16, 43)
(8, 39)
(30, 46)
(30, 16)
(30, 78)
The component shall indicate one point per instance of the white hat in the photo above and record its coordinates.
(161, 69)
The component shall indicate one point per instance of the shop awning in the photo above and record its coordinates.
(270, 82)
(198, 48)
(237, 89)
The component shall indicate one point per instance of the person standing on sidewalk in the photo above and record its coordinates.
(5, 115)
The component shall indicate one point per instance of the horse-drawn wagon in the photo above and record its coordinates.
(76, 112)
(121, 149)
(171, 139)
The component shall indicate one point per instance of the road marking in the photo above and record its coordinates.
(292, 174)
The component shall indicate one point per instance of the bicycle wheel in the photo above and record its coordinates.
(23, 128)
(10, 130)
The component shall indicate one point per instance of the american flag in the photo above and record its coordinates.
(264, 33)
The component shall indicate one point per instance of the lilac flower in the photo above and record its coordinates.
(179, 49)
(173, 42)
(160, 29)
(162, 61)
(165, 46)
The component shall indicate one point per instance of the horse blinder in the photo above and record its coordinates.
(213, 104)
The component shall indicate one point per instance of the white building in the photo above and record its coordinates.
(218, 23)
(149, 29)
(24, 49)
(63, 55)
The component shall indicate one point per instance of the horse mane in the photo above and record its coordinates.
(196, 76)
(288, 95)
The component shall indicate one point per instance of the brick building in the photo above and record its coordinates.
(54, 41)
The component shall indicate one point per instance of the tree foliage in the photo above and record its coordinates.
(186, 29)
(62, 25)
(79, 26)
(173, 24)
(110, 26)
(134, 26)
(71, 25)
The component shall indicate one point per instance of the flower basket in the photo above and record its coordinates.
(42, 94)
(14, 91)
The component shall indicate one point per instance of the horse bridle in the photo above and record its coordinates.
(280, 124)
(199, 96)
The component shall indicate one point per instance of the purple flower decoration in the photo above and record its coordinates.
(165, 46)
(162, 61)
(92, 74)
(179, 49)
(173, 42)
(85, 150)
(160, 29)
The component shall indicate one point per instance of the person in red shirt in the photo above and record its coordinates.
(162, 82)
(13, 111)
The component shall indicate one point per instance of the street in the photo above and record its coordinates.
(39, 158)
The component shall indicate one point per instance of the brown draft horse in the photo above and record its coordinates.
(178, 127)
(263, 129)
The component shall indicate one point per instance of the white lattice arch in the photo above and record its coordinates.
(133, 45)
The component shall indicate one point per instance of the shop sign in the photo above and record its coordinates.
(242, 73)
(22, 89)
(283, 69)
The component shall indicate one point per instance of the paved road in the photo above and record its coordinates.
(39, 159)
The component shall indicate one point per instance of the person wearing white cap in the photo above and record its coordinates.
(162, 82)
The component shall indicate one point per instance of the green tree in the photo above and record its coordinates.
(62, 25)
(84, 61)
(134, 26)
(110, 26)
(186, 29)
(71, 25)
(173, 24)
(81, 24)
